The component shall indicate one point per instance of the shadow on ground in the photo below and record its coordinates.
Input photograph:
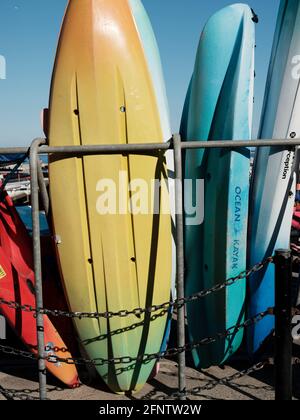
(258, 385)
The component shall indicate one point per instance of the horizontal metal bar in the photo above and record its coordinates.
(129, 148)
(142, 147)
(13, 150)
(238, 143)
(106, 149)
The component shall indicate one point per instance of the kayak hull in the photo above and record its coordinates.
(107, 88)
(273, 181)
(219, 106)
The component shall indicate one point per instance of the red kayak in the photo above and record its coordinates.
(17, 284)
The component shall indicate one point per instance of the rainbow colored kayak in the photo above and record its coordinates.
(108, 88)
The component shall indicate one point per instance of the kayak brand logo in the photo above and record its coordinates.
(235, 255)
(2, 328)
(296, 67)
(287, 164)
(236, 246)
(2, 68)
(238, 205)
(140, 197)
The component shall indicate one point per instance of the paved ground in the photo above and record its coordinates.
(20, 376)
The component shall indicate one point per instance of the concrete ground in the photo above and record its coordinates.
(18, 378)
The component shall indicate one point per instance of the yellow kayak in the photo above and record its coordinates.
(111, 219)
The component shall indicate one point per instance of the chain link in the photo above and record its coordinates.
(14, 394)
(138, 311)
(296, 260)
(25, 394)
(15, 352)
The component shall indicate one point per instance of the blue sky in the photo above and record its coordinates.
(28, 37)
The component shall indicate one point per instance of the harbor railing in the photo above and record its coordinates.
(283, 260)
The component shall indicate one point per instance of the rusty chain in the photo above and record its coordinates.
(18, 396)
(212, 383)
(12, 394)
(25, 394)
(15, 394)
(142, 358)
(139, 311)
(16, 352)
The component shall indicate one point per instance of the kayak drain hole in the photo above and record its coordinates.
(293, 135)
(133, 259)
(76, 112)
(90, 261)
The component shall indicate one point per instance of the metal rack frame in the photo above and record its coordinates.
(39, 146)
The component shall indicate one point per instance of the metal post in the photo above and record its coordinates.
(180, 263)
(283, 320)
(37, 263)
(43, 189)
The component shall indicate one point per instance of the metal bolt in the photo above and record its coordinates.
(57, 239)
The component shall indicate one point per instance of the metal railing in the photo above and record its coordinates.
(39, 146)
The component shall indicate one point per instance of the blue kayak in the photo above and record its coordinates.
(273, 181)
(218, 106)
